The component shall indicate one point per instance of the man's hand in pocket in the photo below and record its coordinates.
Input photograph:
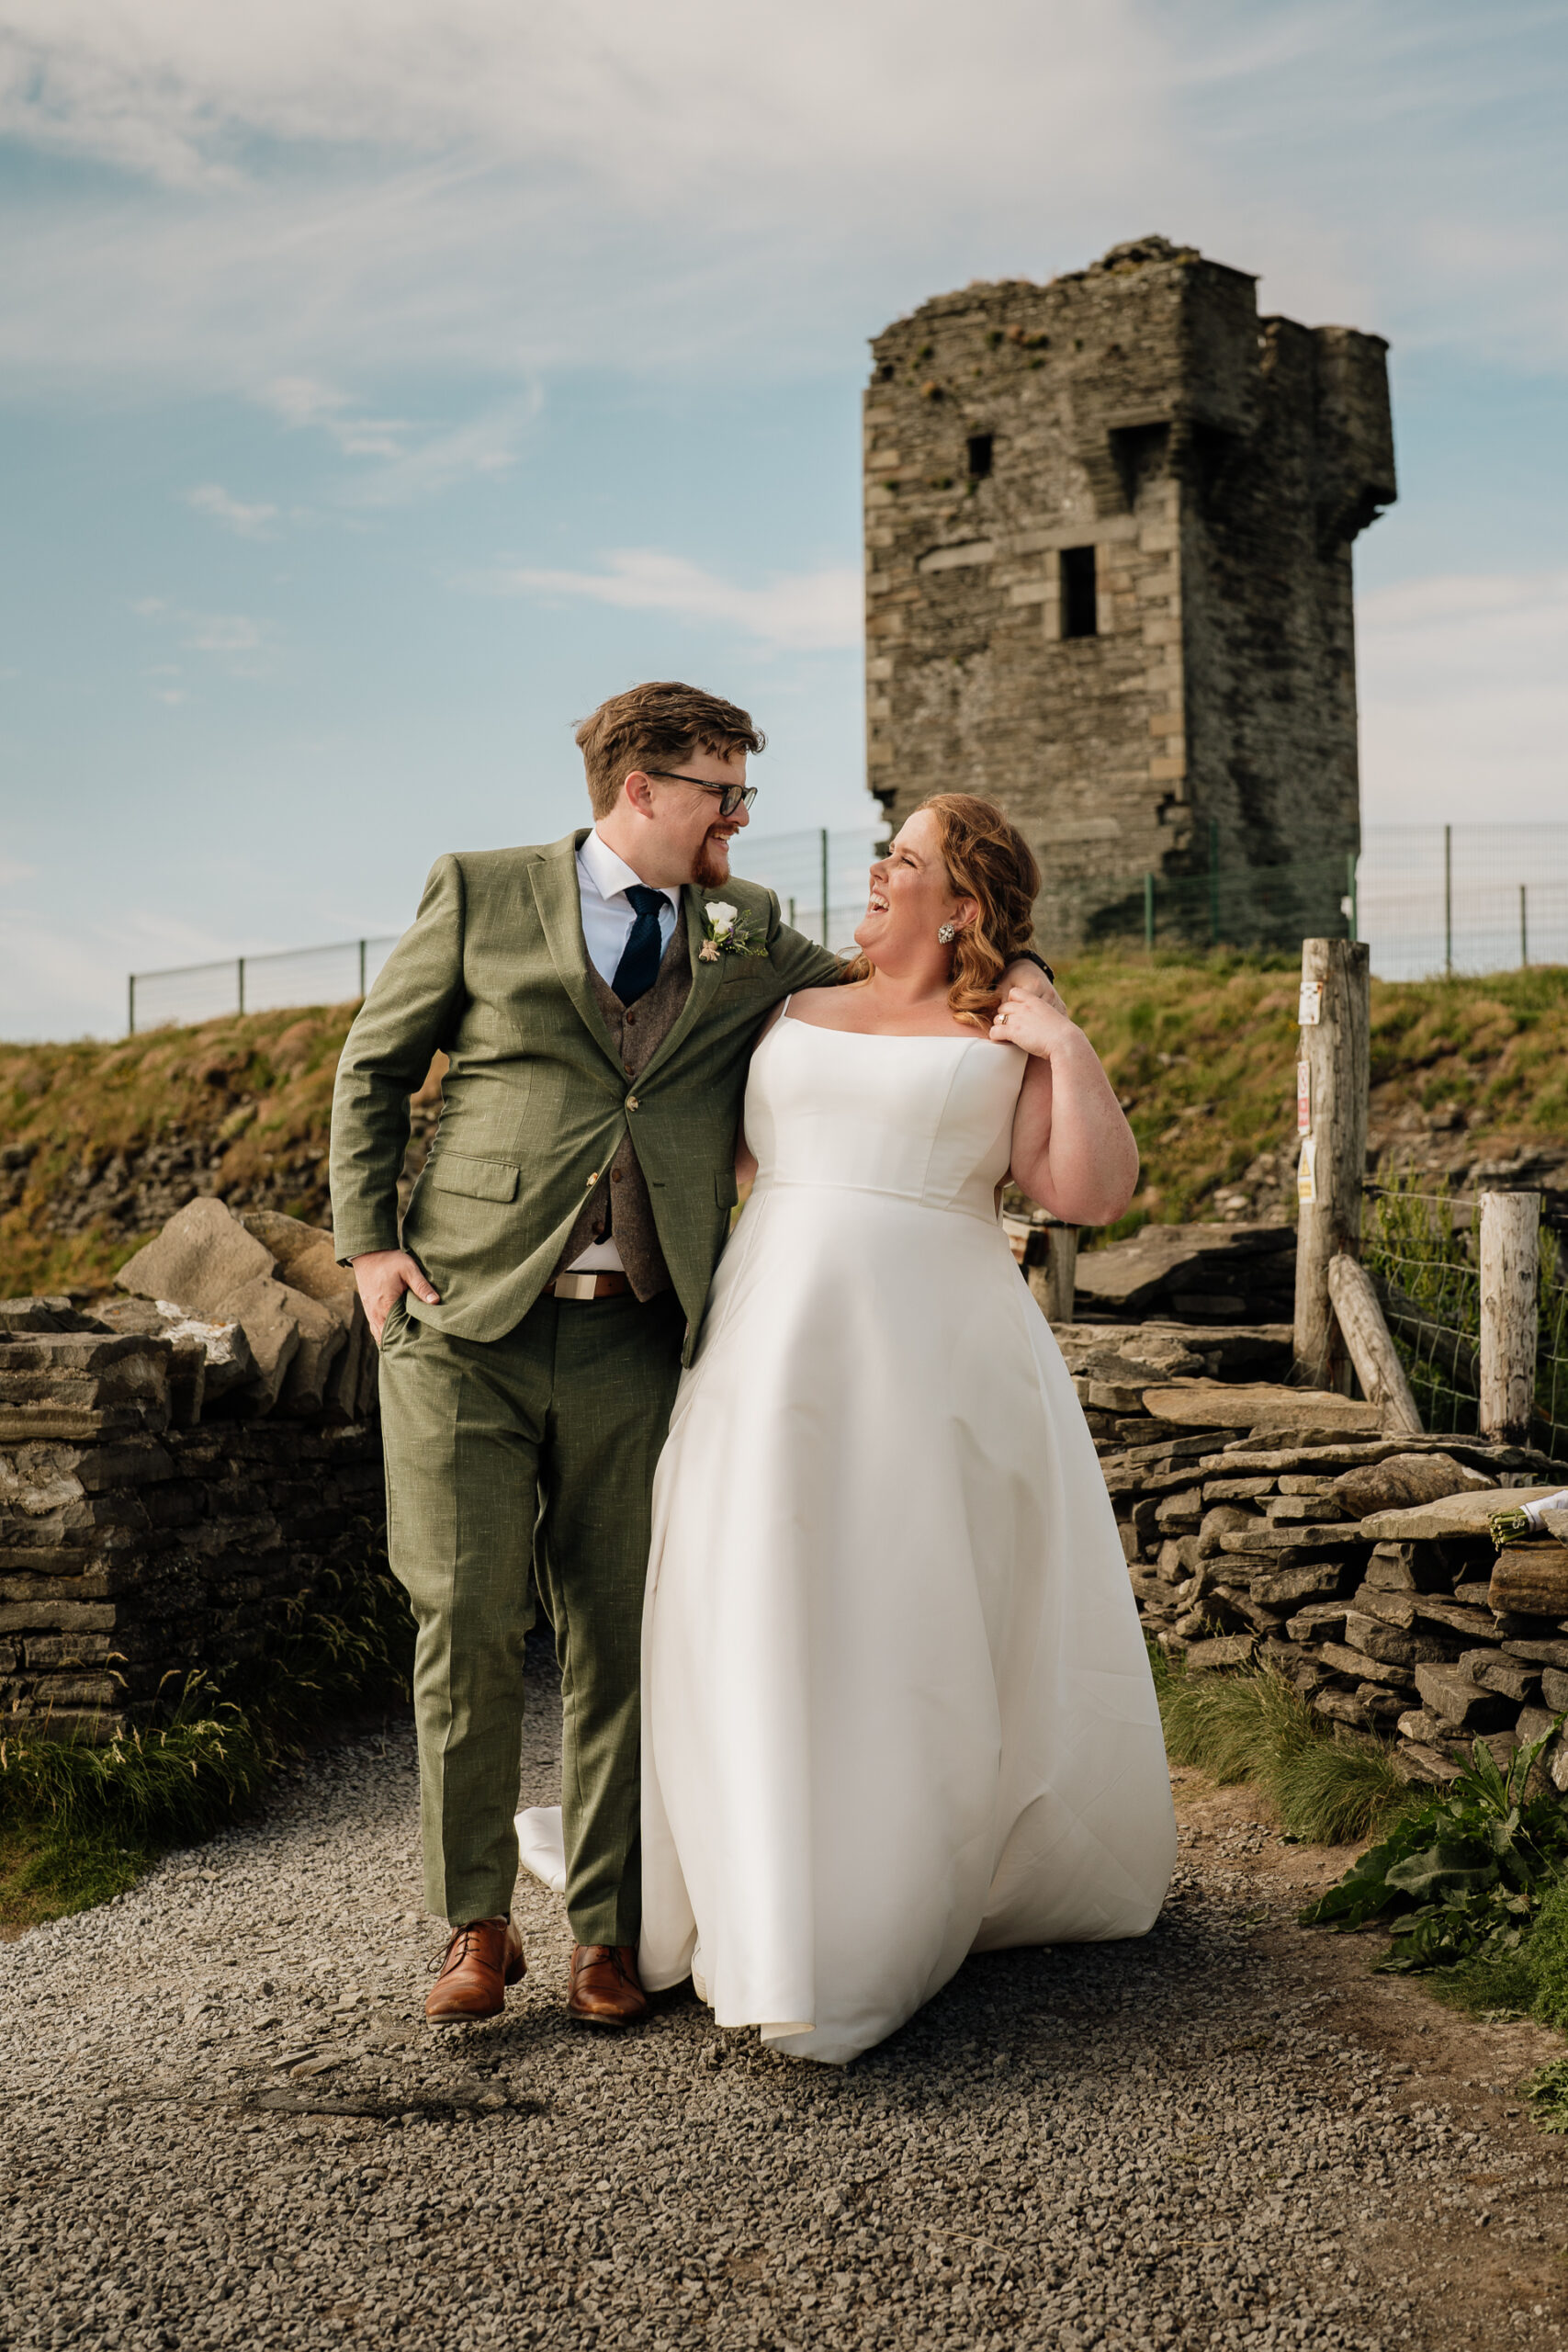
(383, 1275)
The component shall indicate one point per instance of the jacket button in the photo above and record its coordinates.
(592, 1181)
(631, 1102)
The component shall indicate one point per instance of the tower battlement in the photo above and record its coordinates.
(1108, 526)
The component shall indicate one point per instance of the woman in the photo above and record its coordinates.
(896, 1702)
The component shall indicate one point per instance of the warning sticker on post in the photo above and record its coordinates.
(1306, 1174)
(1309, 1011)
(1303, 1098)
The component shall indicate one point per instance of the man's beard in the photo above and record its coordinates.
(712, 864)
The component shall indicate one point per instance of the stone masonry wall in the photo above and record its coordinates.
(1218, 467)
(139, 1540)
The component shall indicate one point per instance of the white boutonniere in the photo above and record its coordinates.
(729, 933)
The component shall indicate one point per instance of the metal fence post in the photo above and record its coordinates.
(1353, 904)
(1214, 881)
(827, 902)
(1510, 1254)
(240, 969)
(361, 945)
(130, 1023)
(1524, 931)
(1149, 912)
(1335, 1022)
(1449, 900)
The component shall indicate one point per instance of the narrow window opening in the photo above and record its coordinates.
(980, 455)
(1080, 613)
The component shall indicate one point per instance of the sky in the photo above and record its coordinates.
(384, 382)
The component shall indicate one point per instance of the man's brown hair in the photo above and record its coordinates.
(657, 726)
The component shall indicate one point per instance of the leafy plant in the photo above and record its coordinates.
(1461, 1875)
(1547, 2092)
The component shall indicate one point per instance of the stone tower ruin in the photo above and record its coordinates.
(1108, 525)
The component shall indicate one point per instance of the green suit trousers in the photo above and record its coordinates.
(532, 1452)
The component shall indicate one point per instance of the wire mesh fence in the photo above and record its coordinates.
(339, 973)
(1234, 906)
(820, 877)
(1423, 1251)
(1462, 897)
(1428, 899)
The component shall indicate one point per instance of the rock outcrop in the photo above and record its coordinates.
(277, 1320)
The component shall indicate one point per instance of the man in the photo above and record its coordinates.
(549, 1281)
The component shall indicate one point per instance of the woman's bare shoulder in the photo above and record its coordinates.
(810, 1004)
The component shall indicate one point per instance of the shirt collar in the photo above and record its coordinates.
(609, 873)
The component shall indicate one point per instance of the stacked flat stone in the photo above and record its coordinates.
(1361, 1567)
(181, 1470)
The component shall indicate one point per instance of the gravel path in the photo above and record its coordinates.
(1189, 2140)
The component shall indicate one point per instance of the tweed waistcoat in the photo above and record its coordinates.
(638, 1031)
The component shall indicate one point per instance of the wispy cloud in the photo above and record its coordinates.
(237, 645)
(1464, 684)
(223, 633)
(402, 460)
(466, 185)
(300, 400)
(803, 612)
(247, 521)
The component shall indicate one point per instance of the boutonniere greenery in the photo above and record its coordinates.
(729, 933)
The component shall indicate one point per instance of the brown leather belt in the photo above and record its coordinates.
(589, 1286)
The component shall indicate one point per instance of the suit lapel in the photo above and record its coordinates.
(556, 894)
(704, 983)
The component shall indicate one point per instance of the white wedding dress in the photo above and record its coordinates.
(895, 1701)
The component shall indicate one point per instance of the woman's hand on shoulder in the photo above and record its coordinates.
(1038, 1021)
(1027, 976)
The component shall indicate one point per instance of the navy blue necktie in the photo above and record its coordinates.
(642, 955)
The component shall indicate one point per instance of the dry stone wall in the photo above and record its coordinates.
(1361, 1567)
(180, 1470)
(1266, 1524)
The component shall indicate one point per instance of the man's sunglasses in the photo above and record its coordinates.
(732, 796)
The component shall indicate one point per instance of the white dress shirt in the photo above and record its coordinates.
(603, 880)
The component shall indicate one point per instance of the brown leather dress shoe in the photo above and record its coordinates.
(483, 1960)
(605, 1989)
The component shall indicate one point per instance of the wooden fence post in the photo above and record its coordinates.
(1511, 1247)
(1336, 1010)
(1054, 1284)
(1370, 1346)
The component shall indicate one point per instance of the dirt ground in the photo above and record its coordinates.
(1484, 2262)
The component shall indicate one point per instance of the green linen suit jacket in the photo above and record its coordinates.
(495, 972)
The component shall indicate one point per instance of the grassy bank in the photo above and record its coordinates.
(97, 1138)
(79, 1822)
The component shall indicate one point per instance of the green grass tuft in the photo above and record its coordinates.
(80, 1822)
(46, 1871)
(1328, 1786)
